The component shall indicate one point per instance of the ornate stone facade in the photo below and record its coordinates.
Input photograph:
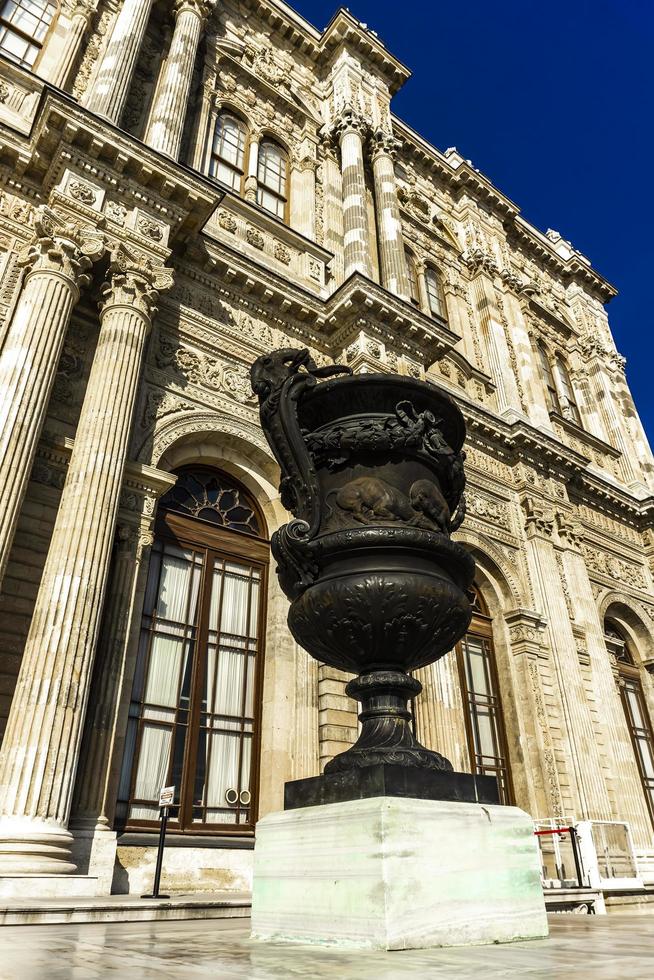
(143, 267)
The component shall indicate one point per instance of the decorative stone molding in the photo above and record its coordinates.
(349, 121)
(207, 372)
(493, 511)
(526, 632)
(610, 566)
(539, 518)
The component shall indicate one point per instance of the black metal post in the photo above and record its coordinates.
(160, 850)
(575, 854)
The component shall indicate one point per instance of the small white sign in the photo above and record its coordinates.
(166, 796)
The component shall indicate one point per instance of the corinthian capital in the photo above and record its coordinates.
(383, 143)
(134, 281)
(65, 248)
(348, 121)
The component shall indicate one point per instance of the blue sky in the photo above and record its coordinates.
(553, 102)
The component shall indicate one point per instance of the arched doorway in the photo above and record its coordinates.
(195, 705)
(482, 704)
(639, 724)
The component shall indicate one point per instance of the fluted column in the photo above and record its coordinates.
(42, 740)
(349, 129)
(108, 94)
(56, 266)
(394, 274)
(166, 122)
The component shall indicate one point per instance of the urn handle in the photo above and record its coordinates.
(278, 380)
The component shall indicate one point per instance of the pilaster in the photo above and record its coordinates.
(588, 790)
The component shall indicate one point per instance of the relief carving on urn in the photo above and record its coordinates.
(372, 470)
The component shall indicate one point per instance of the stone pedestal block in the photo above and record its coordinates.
(388, 873)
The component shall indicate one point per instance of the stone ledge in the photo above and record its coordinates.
(124, 908)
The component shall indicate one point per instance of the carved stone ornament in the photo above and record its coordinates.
(134, 281)
(372, 470)
(82, 191)
(66, 247)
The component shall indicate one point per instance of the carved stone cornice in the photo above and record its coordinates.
(526, 632)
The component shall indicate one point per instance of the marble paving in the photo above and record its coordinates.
(614, 947)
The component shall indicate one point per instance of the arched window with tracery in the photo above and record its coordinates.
(635, 708)
(480, 692)
(195, 704)
(23, 27)
(272, 178)
(227, 159)
(434, 292)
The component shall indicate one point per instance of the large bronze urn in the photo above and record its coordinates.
(372, 470)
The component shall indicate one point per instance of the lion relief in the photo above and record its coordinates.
(371, 500)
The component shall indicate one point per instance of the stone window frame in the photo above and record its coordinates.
(435, 296)
(481, 630)
(215, 158)
(280, 196)
(619, 648)
(412, 273)
(215, 540)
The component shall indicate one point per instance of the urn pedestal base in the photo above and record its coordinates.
(390, 780)
(391, 873)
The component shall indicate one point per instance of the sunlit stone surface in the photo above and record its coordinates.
(388, 873)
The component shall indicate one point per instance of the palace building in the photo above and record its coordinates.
(183, 187)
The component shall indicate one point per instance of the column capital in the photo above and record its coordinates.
(66, 248)
(384, 143)
(135, 282)
(348, 121)
(79, 8)
(201, 8)
(539, 518)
